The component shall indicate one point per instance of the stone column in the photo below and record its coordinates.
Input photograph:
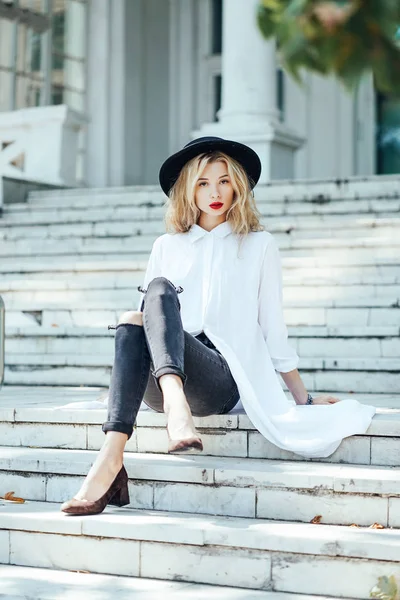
(248, 113)
(248, 69)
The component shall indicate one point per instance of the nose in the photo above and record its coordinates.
(214, 193)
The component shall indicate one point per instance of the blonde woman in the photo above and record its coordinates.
(209, 330)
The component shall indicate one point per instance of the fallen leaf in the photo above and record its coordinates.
(386, 588)
(54, 325)
(77, 571)
(9, 496)
(376, 526)
(316, 519)
(354, 525)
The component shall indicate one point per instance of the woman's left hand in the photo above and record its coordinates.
(325, 399)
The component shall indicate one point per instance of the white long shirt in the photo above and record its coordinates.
(237, 302)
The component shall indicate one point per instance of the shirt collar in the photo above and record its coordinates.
(196, 232)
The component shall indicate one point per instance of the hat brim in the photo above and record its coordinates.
(248, 158)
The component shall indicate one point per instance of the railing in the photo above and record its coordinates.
(40, 145)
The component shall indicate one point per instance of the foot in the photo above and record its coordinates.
(100, 477)
(182, 433)
(179, 416)
(185, 446)
(180, 425)
(181, 430)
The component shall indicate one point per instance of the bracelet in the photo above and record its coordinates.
(310, 399)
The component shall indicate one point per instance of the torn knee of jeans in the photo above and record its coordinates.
(178, 289)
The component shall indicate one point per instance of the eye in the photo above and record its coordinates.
(225, 181)
(202, 182)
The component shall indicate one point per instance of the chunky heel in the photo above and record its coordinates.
(117, 494)
(121, 497)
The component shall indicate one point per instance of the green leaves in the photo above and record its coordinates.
(346, 38)
(386, 589)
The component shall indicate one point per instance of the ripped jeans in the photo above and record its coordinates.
(162, 346)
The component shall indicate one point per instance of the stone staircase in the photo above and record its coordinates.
(72, 261)
(239, 515)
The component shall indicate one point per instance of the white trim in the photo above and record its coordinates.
(182, 74)
(98, 93)
(45, 62)
(209, 64)
(117, 94)
(173, 74)
(364, 128)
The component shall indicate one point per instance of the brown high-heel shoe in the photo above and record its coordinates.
(117, 495)
(184, 446)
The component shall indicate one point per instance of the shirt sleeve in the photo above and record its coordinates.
(153, 269)
(270, 311)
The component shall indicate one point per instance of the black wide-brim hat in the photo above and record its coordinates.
(173, 165)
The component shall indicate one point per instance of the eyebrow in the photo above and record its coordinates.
(226, 175)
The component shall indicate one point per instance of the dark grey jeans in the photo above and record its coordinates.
(162, 346)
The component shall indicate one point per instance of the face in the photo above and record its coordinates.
(214, 193)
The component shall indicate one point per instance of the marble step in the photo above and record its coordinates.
(245, 553)
(378, 343)
(294, 332)
(265, 205)
(20, 583)
(77, 264)
(13, 399)
(326, 366)
(119, 299)
(125, 262)
(36, 315)
(292, 286)
(27, 214)
(340, 375)
(313, 190)
(263, 198)
(383, 245)
(365, 279)
(254, 488)
(38, 417)
(307, 227)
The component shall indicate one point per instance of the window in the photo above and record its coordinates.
(387, 135)
(19, 22)
(280, 93)
(388, 132)
(216, 38)
(210, 19)
(209, 56)
(42, 53)
(68, 53)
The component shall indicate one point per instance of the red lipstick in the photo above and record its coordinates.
(216, 205)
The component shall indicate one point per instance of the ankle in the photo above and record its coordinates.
(170, 383)
(176, 408)
(112, 456)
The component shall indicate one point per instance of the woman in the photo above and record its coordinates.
(210, 327)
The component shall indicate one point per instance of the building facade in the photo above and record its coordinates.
(143, 77)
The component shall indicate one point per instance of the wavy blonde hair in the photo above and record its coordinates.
(182, 211)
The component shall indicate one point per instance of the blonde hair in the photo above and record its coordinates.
(182, 211)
